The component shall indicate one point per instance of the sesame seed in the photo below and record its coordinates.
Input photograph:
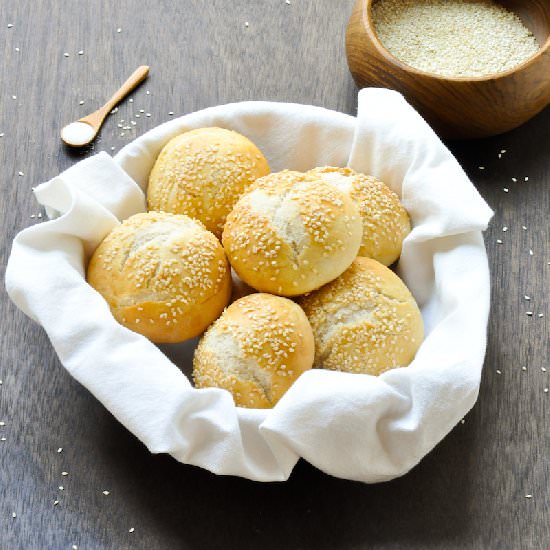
(246, 24)
(523, 368)
(530, 252)
(543, 369)
(131, 530)
(529, 313)
(545, 390)
(2, 439)
(61, 488)
(142, 110)
(499, 372)
(1, 134)
(64, 473)
(106, 493)
(20, 173)
(13, 515)
(528, 496)
(499, 241)
(170, 113)
(481, 167)
(81, 102)
(524, 227)
(10, 25)
(504, 229)
(505, 189)
(75, 547)
(81, 52)
(502, 151)
(525, 178)
(55, 502)
(541, 315)
(119, 30)
(17, 49)
(66, 54)
(527, 297)
(514, 179)
(14, 97)
(60, 449)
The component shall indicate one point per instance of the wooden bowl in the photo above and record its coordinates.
(458, 107)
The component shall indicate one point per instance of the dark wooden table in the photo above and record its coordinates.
(470, 492)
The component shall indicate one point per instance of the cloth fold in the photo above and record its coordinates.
(352, 426)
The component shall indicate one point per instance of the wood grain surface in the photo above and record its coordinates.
(468, 493)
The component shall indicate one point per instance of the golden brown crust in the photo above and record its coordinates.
(255, 350)
(163, 275)
(385, 222)
(202, 173)
(292, 233)
(366, 321)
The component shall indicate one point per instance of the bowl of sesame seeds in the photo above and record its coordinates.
(472, 68)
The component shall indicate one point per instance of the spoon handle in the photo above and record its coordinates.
(136, 78)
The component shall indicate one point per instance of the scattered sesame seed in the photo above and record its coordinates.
(13, 515)
(500, 155)
(526, 178)
(20, 173)
(112, 148)
(2, 423)
(529, 313)
(463, 421)
(147, 114)
(545, 390)
(502, 151)
(66, 54)
(81, 52)
(14, 97)
(528, 496)
(481, 167)
(170, 113)
(524, 227)
(541, 315)
(60, 449)
(2, 134)
(287, 2)
(131, 530)
(514, 179)
(17, 49)
(106, 493)
(81, 102)
(10, 25)
(115, 110)
(505, 189)
(55, 502)
(75, 547)
(148, 92)
(246, 24)
(0, 382)
(499, 372)
(523, 368)
(527, 297)
(119, 30)
(499, 241)
(530, 252)
(2, 439)
(64, 473)
(61, 488)
(504, 229)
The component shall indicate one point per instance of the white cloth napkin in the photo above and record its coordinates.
(352, 426)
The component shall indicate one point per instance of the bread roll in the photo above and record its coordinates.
(255, 350)
(366, 321)
(162, 275)
(202, 173)
(291, 234)
(385, 221)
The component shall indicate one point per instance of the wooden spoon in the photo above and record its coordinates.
(84, 130)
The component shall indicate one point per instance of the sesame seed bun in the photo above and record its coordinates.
(366, 321)
(202, 173)
(163, 275)
(255, 350)
(292, 233)
(385, 221)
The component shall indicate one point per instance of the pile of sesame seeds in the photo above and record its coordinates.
(453, 38)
